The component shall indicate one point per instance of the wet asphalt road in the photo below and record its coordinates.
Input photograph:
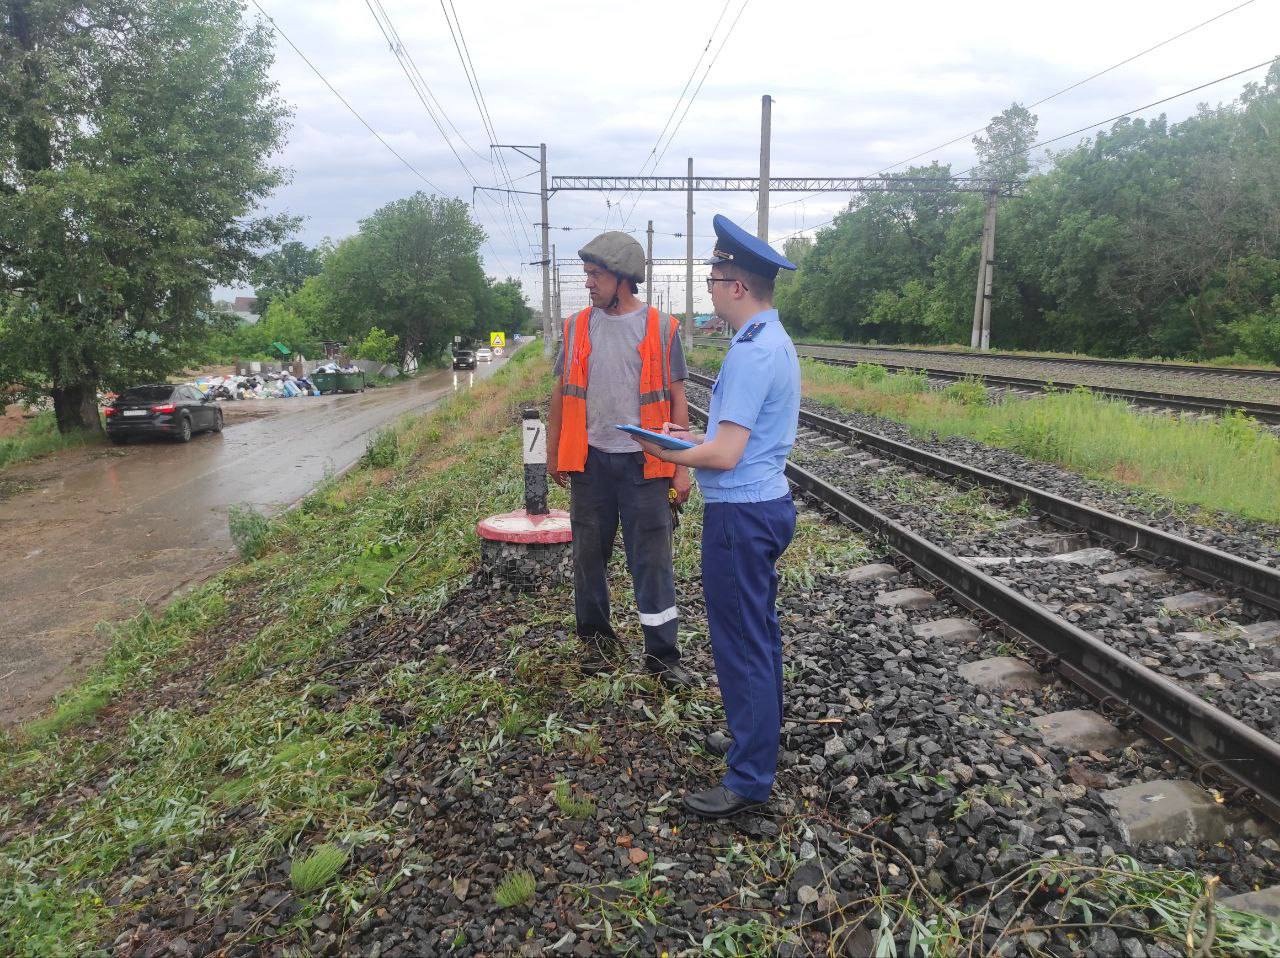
(97, 535)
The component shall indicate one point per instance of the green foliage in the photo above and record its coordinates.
(383, 450)
(971, 390)
(36, 438)
(282, 272)
(312, 872)
(571, 807)
(249, 530)
(1230, 464)
(270, 734)
(378, 345)
(516, 889)
(414, 269)
(135, 152)
(1150, 239)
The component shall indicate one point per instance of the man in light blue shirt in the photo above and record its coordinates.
(749, 518)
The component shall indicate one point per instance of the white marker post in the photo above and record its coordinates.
(533, 447)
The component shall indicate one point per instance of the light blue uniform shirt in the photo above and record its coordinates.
(759, 389)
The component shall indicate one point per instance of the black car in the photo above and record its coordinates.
(464, 359)
(161, 410)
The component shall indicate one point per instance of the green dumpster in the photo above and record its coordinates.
(325, 382)
(351, 382)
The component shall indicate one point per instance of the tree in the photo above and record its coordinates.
(379, 345)
(283, 271)
(1004, 148)
(413, 270)
(511, 313)
(135, 145)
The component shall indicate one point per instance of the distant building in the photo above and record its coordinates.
(245, 308)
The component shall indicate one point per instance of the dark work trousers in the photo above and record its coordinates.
(741, 544)
(610, 489)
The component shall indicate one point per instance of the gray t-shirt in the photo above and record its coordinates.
(613, 377)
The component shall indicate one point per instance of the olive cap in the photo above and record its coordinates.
(617, 252)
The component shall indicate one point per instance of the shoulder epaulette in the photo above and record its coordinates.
(750, 332)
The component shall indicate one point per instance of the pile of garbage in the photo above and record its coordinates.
(258, 386)
(333, 367)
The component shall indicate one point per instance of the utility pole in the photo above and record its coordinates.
(548, 327)
(688, 270)
(555, 302)
(648, 268)
(766, 116)
(980, 335)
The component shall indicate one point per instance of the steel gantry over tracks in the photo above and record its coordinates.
(786, 184)
(765, 184)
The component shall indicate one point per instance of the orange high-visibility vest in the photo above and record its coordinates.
(655, 388)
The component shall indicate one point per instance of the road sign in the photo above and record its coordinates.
(497, 340)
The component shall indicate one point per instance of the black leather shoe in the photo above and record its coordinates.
(718, 743)
(674, 677)
(719, 802)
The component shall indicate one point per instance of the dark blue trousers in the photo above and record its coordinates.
(741, 544)
(612, 490)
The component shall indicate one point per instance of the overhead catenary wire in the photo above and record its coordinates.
(689, 104)
(1052, 96)
(342, 99)
(1086, 127)
(482, 107)
(423, 91)
(356, 113)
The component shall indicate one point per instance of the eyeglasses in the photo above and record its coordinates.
(716, 279)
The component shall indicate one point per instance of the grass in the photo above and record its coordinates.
(570, 807)
(39, 437)
(258, 728)
(249, 530)
(1236, 359)
(1230, 464)
(515, 890)
(312, 872)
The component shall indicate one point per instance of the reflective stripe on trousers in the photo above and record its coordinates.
(611, 492)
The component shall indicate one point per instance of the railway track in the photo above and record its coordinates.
(1194, 396)
(1173, 710)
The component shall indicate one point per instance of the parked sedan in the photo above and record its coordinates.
(464, 359)
(161, 409)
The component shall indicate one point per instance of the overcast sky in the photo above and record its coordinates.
(856, 87)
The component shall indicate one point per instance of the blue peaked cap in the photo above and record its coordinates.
(735, 245)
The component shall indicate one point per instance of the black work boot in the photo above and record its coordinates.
(600, 653)
(673, 675)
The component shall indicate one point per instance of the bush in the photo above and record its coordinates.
(249, 530)
(379, 345)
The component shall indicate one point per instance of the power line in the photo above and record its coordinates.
(1120, 116)
(332, 89)
(482, 107)
(1055, 95)
(697, 90)
(423, 91)
(356, 113)
(1090, 126)
(1079, 83)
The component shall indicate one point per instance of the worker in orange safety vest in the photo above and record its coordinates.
(620, 363)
